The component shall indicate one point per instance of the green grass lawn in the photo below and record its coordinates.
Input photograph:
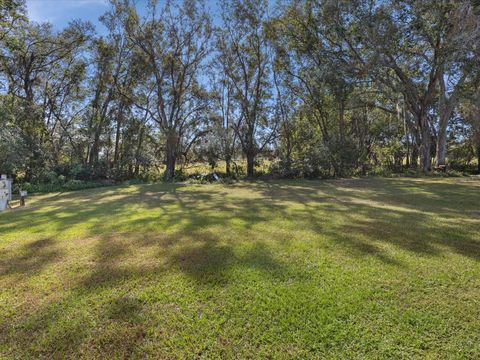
(368, 268)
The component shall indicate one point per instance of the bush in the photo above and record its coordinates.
(59, 187)
(204, 178)
(81, 185)
(74, 185)
(180, 175)
(313, 162)
(455, 173)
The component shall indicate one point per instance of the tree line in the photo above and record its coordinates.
(319, 87)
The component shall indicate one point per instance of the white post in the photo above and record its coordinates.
(4, 192)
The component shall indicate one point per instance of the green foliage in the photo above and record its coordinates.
(12, 146)
(57, 186)
(321, 88)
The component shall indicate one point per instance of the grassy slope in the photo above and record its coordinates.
(377, 268)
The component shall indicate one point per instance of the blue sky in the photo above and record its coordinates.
(60, 12)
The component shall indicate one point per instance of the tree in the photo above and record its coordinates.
(411, 42)
(246, 57)
(41, 69)
(12, 147)
(226, 112)
(460, 37)
(12, 15)
(174, 42)
(311, 57)
(329, 88)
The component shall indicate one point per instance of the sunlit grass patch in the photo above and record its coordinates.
(375, 268)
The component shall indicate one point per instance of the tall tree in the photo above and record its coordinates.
(246, 56)
(226, 116)
(410, 42)
(41, 67)
(310, 54)
(460, 39)
(175, 42)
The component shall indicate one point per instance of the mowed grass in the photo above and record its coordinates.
(367, 268)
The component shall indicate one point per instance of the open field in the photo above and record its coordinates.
(367, 268)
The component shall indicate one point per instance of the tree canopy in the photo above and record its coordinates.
(318, 88)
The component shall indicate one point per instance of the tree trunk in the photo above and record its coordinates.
(250, 163)
(170, 156)
(288, 150)
(478, 158)
(425, 157)
(407, 156)
(117, 141)
(442, 141)
(137, 152)
(94, 150)
(341, 122)
(414, 156)
(228, 160)
(407, 137)
(445, 109)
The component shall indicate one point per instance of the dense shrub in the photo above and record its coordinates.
(58, 187)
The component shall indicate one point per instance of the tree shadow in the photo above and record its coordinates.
(386, 202)
(423, 222)
(173, 234)
(30, 259)
(210, 261)
(115, 260)
(207, 261)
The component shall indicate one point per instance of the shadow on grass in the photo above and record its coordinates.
(203, 256)
(425, 218)
(31, 259)
(170, 231)
(205, 259)
(413, 215)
